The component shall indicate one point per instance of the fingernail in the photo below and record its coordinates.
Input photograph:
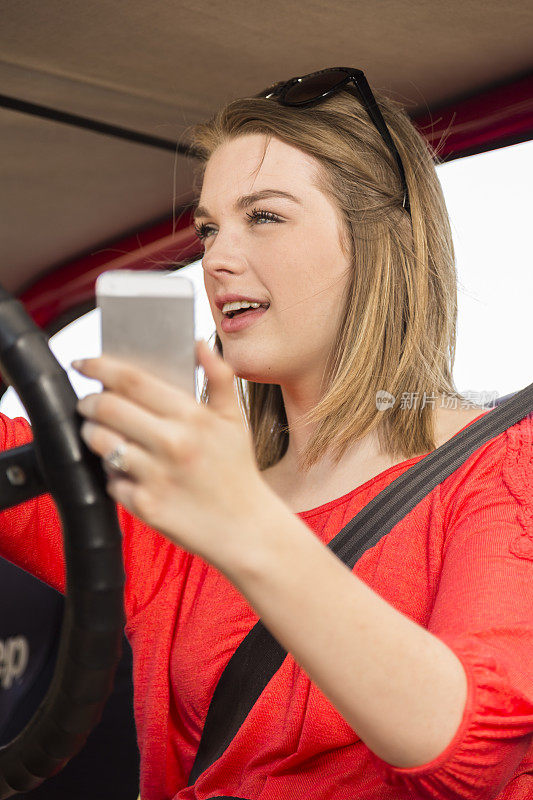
(86, 431)
(85, 405)
(77, 364)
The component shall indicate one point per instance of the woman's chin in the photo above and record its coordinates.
(250, 372)
(254, 376)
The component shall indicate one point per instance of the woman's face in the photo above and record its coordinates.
(286, 252)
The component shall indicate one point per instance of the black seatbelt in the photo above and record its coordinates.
(259, 656)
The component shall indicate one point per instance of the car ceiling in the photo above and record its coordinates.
(158, 67)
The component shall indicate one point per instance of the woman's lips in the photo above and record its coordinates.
(240, 321)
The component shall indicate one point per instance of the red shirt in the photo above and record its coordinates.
(460, 564)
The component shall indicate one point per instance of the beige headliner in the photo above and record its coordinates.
(158, 66)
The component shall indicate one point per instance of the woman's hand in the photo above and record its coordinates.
(191, 470)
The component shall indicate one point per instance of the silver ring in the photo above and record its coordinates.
(116, 461)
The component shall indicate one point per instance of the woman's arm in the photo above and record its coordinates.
(401, 689)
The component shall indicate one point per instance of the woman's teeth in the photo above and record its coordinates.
(231, 308)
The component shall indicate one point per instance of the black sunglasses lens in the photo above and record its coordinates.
(315, 86)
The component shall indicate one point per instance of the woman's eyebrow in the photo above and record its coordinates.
(248, 199)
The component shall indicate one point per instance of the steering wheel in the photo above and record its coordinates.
(59, 463)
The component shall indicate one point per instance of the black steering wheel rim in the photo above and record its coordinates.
(93, 621)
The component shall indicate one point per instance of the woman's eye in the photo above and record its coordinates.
(203, 231)
(264, 215)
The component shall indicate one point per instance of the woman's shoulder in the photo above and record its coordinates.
(450, 421)
(494, 486)
(507, 453)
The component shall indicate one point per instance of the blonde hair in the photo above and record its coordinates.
(398, 327)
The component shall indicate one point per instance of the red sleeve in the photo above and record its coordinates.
(30, 533)
(484, 613)
(31, 537)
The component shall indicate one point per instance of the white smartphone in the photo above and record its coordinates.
(148, 320)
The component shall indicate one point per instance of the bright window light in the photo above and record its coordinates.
(489, 202)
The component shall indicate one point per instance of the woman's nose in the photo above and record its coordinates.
(223, 254)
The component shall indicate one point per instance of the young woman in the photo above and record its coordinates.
(410, 676)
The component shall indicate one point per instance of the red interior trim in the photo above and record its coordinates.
(162, 246)
(494, 118)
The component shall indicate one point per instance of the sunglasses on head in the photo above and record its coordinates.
(311, 89)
